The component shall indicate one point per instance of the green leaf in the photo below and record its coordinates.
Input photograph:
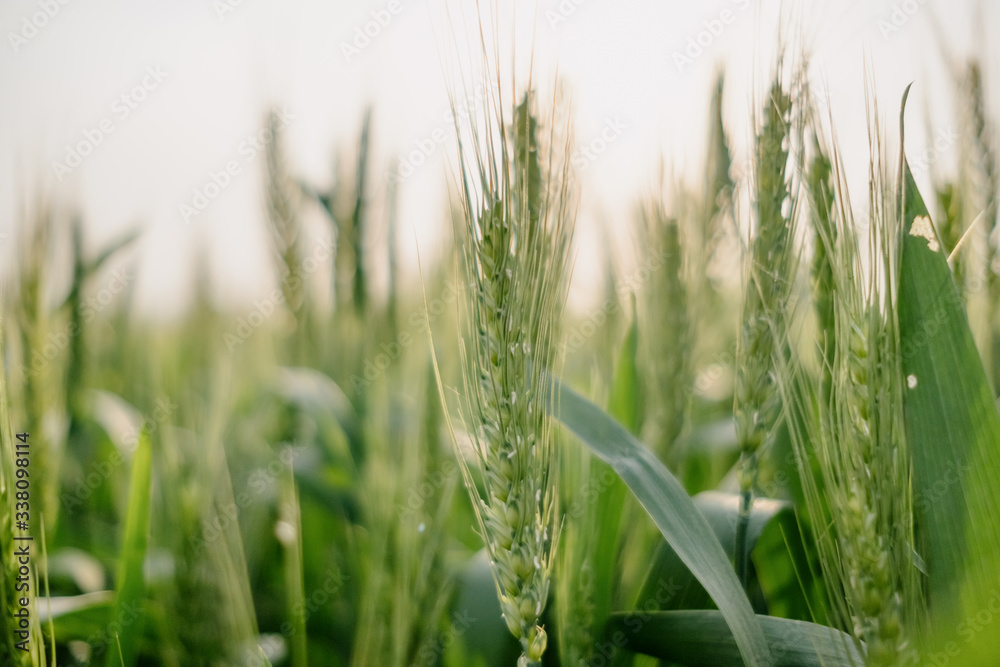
(673, 511)
(130, 583)
(703, 638)
(952, 424)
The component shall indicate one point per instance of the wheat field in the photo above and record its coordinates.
(774, 440)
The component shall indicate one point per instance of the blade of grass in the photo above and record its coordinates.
(131, 586)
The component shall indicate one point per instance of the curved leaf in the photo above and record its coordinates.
(782, 583)
(670, 507)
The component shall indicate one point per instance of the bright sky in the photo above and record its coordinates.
(171, 92)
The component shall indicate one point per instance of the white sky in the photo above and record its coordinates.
(615, 58)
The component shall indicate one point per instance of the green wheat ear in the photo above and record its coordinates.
(854, 429)
(515, 235)
(666, 309)
(770, 276)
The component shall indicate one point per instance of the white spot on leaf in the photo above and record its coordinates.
(911, 381)
(922, 227)
(285, 532)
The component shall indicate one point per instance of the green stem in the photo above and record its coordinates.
(741, 555)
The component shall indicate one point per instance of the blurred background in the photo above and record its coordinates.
(648, 67)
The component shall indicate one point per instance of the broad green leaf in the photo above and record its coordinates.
(673, 511)
(952, 424)
(703, 639)
(130, 585)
